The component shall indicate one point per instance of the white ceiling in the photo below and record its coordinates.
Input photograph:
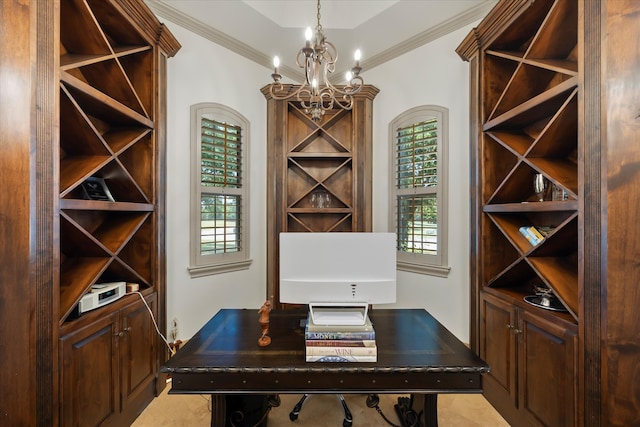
(381, 29)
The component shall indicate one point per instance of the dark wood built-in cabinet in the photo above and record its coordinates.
(109, 366)
(97, 92)
(544, 101)
(319, 173)
(527, 352)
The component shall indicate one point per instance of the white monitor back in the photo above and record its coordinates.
(335, 268)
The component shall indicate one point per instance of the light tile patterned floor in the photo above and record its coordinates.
(466, 410)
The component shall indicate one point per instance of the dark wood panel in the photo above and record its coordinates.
(138, 357)
(548, 374)
(621, 85)
(89, 389)
(497, 348)
(17, 295)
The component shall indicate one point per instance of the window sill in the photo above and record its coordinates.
(431, 270)
(207, 270)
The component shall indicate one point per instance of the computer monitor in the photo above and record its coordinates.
(350, 269)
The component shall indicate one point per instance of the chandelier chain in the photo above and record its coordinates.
(317, 95)
(319, 26)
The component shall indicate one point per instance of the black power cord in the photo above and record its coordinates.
(407, 416)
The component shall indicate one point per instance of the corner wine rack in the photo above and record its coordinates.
(524, 59)
(106, 131)
(530, 126)
(320, 172)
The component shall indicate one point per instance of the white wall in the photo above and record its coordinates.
(432, 74)
(205, 72)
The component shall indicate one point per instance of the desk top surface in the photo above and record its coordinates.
(408, 340)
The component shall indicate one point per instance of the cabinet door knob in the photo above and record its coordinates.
(122, 332)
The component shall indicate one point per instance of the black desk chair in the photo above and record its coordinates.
(348, 419)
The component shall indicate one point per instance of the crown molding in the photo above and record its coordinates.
(198, 27)
(453, 24)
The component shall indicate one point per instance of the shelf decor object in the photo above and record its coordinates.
(317, 94)
(96, 189)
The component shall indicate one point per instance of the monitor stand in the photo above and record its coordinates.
(338, 313)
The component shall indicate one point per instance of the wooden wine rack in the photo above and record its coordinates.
(331, 157)
(530, 126)
(107, 130)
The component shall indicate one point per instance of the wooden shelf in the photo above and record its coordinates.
(307, 155)
(108, 101)
(98, 205)
(100, 104)
(76, 277)
(527, 85)
(307, 159)
(535, 108)
(547, 206)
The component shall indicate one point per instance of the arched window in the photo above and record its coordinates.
(220, 197)
(419, 139)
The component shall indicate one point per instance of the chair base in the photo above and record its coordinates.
(348, 419)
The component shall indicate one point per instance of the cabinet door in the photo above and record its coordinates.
(498, 349)
(89, 390)
(547, 374)
(138, 352)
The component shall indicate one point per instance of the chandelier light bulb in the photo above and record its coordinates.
(349, 76)
(314, 83)
(357, 54)
(276, 62)
(308, 34)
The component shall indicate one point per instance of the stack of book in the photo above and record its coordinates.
(532, 234)
(338, 343)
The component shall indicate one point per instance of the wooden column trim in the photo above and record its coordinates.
(591, 305)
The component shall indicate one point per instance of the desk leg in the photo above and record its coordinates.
(218, 410)
(429, 408)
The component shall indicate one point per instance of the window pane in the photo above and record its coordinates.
(417, 226)
(220, 227)
(417, 155)
(221, 155)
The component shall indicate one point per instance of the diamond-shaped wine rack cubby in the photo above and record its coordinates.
(320, 167)
(530, 110)
(107, 125)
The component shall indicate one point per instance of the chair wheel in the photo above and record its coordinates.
(347, 423)
(293, 416)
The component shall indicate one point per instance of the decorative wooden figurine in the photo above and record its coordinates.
(265, 339)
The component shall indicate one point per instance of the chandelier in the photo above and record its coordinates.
(317, 94)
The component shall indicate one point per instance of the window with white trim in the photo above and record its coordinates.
(418, 200)
(219, 208)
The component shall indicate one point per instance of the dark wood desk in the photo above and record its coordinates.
(416, 355)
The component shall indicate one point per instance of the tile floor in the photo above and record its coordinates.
(468, 410)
